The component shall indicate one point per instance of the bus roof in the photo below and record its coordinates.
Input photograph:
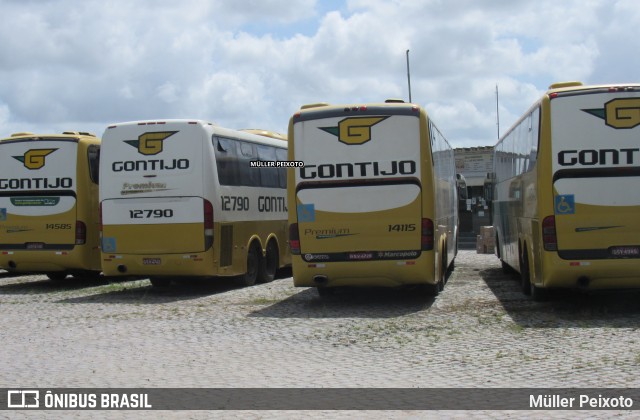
(561, 88)
(265, 133)
(578, 86)
(31, 136)
(248, 134)
(325, 110)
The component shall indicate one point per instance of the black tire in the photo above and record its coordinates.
(88, 275)
(539, 294)
(506, 268)
(57, 275)
(525, 275)
(254, 260)
(269, 264)
(160, 282)
(432, 289)
(444, 269)
(325, 292)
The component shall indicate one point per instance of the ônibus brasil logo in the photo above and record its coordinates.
(150, 143)
(619, 113)
(34, 158)
(354, 130)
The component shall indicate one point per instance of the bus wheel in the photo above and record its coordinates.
(57, 276)
(160, 281)
(538, 293)
(89, 275)
(506, 268)
(445, 266)
(325, 292)
(269, 264)
(432, 289)
(525, 275)
(253, 266)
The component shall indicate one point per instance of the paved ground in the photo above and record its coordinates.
(480, 332)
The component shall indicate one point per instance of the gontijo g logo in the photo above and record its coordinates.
(34, 158)
(619, 112)
(150, 143)
(354, 130)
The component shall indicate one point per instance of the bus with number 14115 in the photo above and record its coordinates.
(374, 201)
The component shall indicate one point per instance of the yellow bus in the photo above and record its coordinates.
(566, 199)
(373, 199)
(49, 204)
(190, 198)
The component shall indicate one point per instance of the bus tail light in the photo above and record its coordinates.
(208, 224)
(549, 237)
(294, 239)
(426, 235)
(81, 233)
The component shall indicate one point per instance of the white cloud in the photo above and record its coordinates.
(243, 64)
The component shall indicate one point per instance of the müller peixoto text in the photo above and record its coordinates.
(582, 401)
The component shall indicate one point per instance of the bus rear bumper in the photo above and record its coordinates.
(44, 261)
(594, 274)
(196, 264)
(392, 273)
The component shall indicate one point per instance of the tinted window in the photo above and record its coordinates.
(234, 157)
(93, 155)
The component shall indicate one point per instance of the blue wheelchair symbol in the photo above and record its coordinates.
(565, 204)
(108, 244)
(306, 213)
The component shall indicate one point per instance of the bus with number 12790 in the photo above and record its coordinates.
(191, 198)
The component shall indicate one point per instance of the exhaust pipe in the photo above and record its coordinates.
(583, 282)
(122, 268)
(321, 280)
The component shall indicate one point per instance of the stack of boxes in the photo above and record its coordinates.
(486, 241)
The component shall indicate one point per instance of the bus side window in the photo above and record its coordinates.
(281, 154)
(268, 175)
(533, 147)
(93, 155)
(226, 161)
(248, 176)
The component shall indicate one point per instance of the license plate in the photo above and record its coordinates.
(34, 245)
(151, 261)
(625, 251)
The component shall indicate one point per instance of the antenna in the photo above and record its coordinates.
(408, 76)
(497, 112)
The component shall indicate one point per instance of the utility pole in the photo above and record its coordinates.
(497, 113)
(408, 76)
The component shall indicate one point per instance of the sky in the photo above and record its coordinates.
(69, 65)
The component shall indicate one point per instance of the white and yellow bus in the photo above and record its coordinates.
(49, 204)
(566, 200)
(190, 198)
(375, 203)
